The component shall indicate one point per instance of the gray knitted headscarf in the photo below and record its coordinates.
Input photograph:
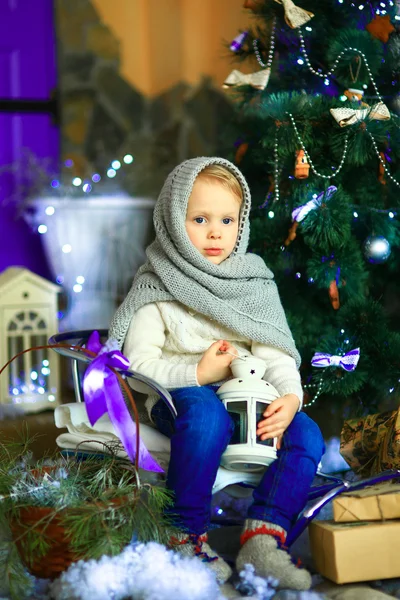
(239, 293)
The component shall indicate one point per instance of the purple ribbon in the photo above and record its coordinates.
(299, 213)
(348, 362)
(103, 394)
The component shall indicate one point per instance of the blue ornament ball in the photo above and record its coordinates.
(377, 249)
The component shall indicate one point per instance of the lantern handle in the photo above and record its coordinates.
(232, 354)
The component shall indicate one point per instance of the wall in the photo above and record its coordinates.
(163, 42)
(165, 111)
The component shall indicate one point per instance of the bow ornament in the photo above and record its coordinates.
(103, 394)
(348, 362)
(299, 213)
(294, 16)
(350, 116)
(257, 80)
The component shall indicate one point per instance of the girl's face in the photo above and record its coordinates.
(212, 219)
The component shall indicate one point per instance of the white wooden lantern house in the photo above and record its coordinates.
(28, 316)
(246, 398)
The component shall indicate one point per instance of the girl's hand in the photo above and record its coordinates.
(214, 366)
(278, 417)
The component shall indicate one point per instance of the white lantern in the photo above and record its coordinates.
(246, 398)
(28, 316)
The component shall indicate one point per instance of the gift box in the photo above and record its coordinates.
(375, 503)
(351, 552)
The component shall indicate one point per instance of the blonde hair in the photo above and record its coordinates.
(225, 177)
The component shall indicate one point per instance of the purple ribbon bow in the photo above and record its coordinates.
(299, 213)
(103, 394)
(348, 362)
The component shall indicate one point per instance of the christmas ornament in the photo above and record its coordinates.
(377, 249)
(294, 16)
(382, 163)
(302, 166)
(237, 43)
(348, 362)
(246, 397)
(351, 116)
(355, 95)
(240, 152)
(251, 4)
(257, 80)
(299, 213)
(380, 27)
(334, 295)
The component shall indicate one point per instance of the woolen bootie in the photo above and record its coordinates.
(192, 545)
(263, 547)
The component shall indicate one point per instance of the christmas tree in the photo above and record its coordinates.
(318, 139)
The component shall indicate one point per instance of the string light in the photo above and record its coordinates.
(87, 187)
(23, 392)
(317, 394)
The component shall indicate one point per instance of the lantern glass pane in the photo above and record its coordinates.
(260, 409)
(238, 414)
(40, 369)
(16, 370)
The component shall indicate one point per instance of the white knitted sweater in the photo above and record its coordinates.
(166, 341)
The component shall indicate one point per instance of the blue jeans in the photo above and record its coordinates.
(199, 436)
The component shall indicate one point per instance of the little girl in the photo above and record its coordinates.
(197, 301)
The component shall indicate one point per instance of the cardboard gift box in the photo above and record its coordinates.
(375, 503)
(351, 552)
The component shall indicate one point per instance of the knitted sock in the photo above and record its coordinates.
(189, 544)
(263, 547)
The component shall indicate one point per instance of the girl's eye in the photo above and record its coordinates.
(227, 220)
(199, 220)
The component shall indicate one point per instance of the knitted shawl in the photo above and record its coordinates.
(239, 293)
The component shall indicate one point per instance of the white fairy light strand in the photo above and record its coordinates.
(260, 61)
(317, 394)
(314, 170)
